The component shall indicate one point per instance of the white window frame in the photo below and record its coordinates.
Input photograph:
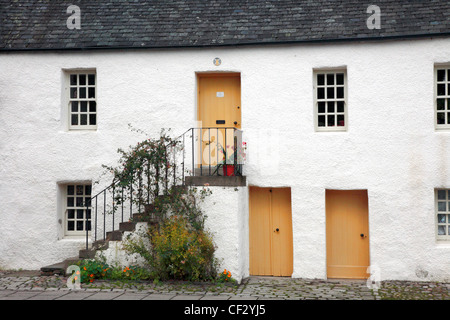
(86, 100)
(76, 208)
(325, 100)
(445, 98)
(441, 216)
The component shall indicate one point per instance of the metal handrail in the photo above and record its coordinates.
(183, 140)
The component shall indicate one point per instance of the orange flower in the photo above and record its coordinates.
(224, 271)
(229, 275)
(84, 268)
(92, 275)
(92, 280)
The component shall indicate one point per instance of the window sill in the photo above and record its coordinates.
(74, 238)
(443, 244)
(331, 130)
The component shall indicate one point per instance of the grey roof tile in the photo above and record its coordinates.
(41, 24)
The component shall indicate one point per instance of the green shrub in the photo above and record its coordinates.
(178, 252)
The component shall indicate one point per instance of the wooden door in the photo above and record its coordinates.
(347, 230)
(219, 107)
(270, 232)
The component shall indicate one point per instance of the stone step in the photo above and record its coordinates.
(59, 268)
(115, 235)
(127, 226)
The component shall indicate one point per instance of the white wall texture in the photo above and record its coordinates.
(390, 148)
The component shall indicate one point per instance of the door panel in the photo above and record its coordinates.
(347, 231)
(271, 248)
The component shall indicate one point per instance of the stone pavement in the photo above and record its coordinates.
(30, 285)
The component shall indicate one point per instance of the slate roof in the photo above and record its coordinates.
(41, 24)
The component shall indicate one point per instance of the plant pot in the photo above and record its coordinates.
(228, 170)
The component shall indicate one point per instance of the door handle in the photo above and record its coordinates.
(363, 235)
(235, 123)
(277, 230)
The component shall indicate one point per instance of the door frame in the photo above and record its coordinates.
(368, 230)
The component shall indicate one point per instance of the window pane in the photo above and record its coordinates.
(340, 78)
(88, 214)
(321, 107)
(91, 92)
(81, 204)
(82, 79)
(70, 190)
(80, 214)
(92, 119)
(73, 93)
(441, 218)
(83, 119)
(91, 79)
(330, 93)
(74, 106)
(321, 121)
(80, 225)
(320, 79)
(74, 121)
(340, 92)
(73, 79)
(331, 120)
(330, 79)
(330, 106)
(89, 225)
(340, 106)
(70, 201)
(83, 106)
(441, 89)
(70, 225)
(79, 190)
(441, 75)
(442, 206)
(82, 92)
(88, 190)
(320, 93)
(70, 214)
(440, 118)
(441, 194)
(448, 117)
(340, 120)
(441, 230)
(92, 106)
(440, 104)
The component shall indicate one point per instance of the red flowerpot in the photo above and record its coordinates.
(228, 170)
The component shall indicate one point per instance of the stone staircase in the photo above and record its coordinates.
(116, 235)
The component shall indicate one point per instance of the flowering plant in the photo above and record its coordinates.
(228, 157)
(225, 276)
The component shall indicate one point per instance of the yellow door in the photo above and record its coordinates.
(270, 231)
(219, 106)
(347, 230)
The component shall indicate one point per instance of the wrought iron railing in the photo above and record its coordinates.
(211, 151)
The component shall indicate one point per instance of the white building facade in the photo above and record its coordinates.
(372, 116)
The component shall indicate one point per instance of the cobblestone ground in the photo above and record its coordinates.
(261, 288)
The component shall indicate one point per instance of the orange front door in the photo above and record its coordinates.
(347, 231)
(270, 230)
(219, 106)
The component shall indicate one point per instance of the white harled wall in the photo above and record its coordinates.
(390, 148)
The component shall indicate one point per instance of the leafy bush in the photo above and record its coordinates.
(177, 251)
